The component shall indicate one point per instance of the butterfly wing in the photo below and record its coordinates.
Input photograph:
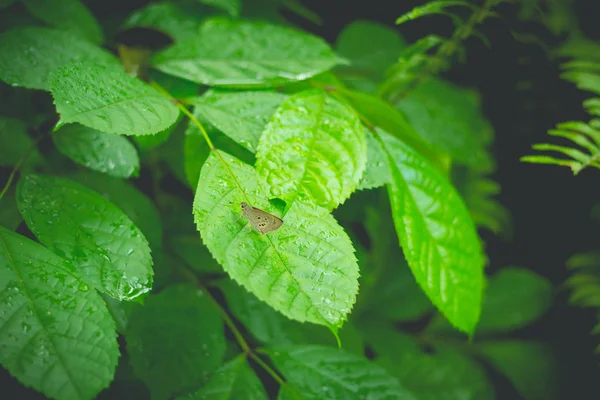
(261, 220)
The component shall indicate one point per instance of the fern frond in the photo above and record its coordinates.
(583, 135)
(433, 7)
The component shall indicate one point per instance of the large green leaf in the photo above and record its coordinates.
(29, 55)
(105, 152)
(56, 334)
(69, 15)
(80, 225)
(178, 20)
(234, 380)
(314, 148)
(246, 54)
(370, 47)
(231, 6)
(131, 201)
(15, 143)
(530, 366)
(320, 372)
(449, 118)
(109, 100)
(306, 269)
(240, 115)
(437, 235)
(377, 170)
(175, 340)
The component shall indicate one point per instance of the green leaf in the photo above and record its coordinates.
(320, 372)
(515, 298)
(437, 235)
(135, 204)
(10, 218)
(80, 225)
(180, 21)
(175, 340)
(68, 15)
(105, 152)
(306, 269)
(109, 100)
(531, 367)
(234, 380)
(432, 7)
(313, 148)
(270, 327)
(56, 334)
(377, 169)
(383, 115)
(15, 143)
(28, 55)
(371, 47)
(240, 115)
(246, 54)
(231, 6)
(449, 118)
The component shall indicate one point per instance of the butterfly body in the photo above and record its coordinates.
(261, 220)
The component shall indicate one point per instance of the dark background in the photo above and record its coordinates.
(550, 207)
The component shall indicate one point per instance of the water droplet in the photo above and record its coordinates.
(83, 287)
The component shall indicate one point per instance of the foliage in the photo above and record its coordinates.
(135, 205)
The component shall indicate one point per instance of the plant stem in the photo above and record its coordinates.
(199, 125)
(18, 165)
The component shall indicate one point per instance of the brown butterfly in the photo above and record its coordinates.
(261, 220)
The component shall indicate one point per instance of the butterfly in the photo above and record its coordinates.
(261, 220)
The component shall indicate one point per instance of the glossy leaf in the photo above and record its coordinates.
(449, 118)
(377, 169)
(306, 269)
(68, 15)
(15, 143)
(56, 334)
(370, 47)
(240, 115)
(234, 380)
(135, 204)
(246, 54)
(80, 225)
(28, 55)
(315, 148)
(105, 152)
(326, 373)
(437, 235)
(178, 20)
(231, 6)
(109, 100)
(530, 366)
(175, 341)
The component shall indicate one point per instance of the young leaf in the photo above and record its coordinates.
(432, 7)
(240, 115)
(105, 152)
(320, 372)
(109, 100)
(68, 15)
(234, 380)
(15, 143)
(28, 55)
(80, 225)
(449, 118)
(315, 148)
(231, 6)
(377, 170)
(56, 334)
(175, 340)
(437, 235)
(246, 54)
(180, 21)
(135, 204)
(306, 269)
(370, 47)
(531, 367)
